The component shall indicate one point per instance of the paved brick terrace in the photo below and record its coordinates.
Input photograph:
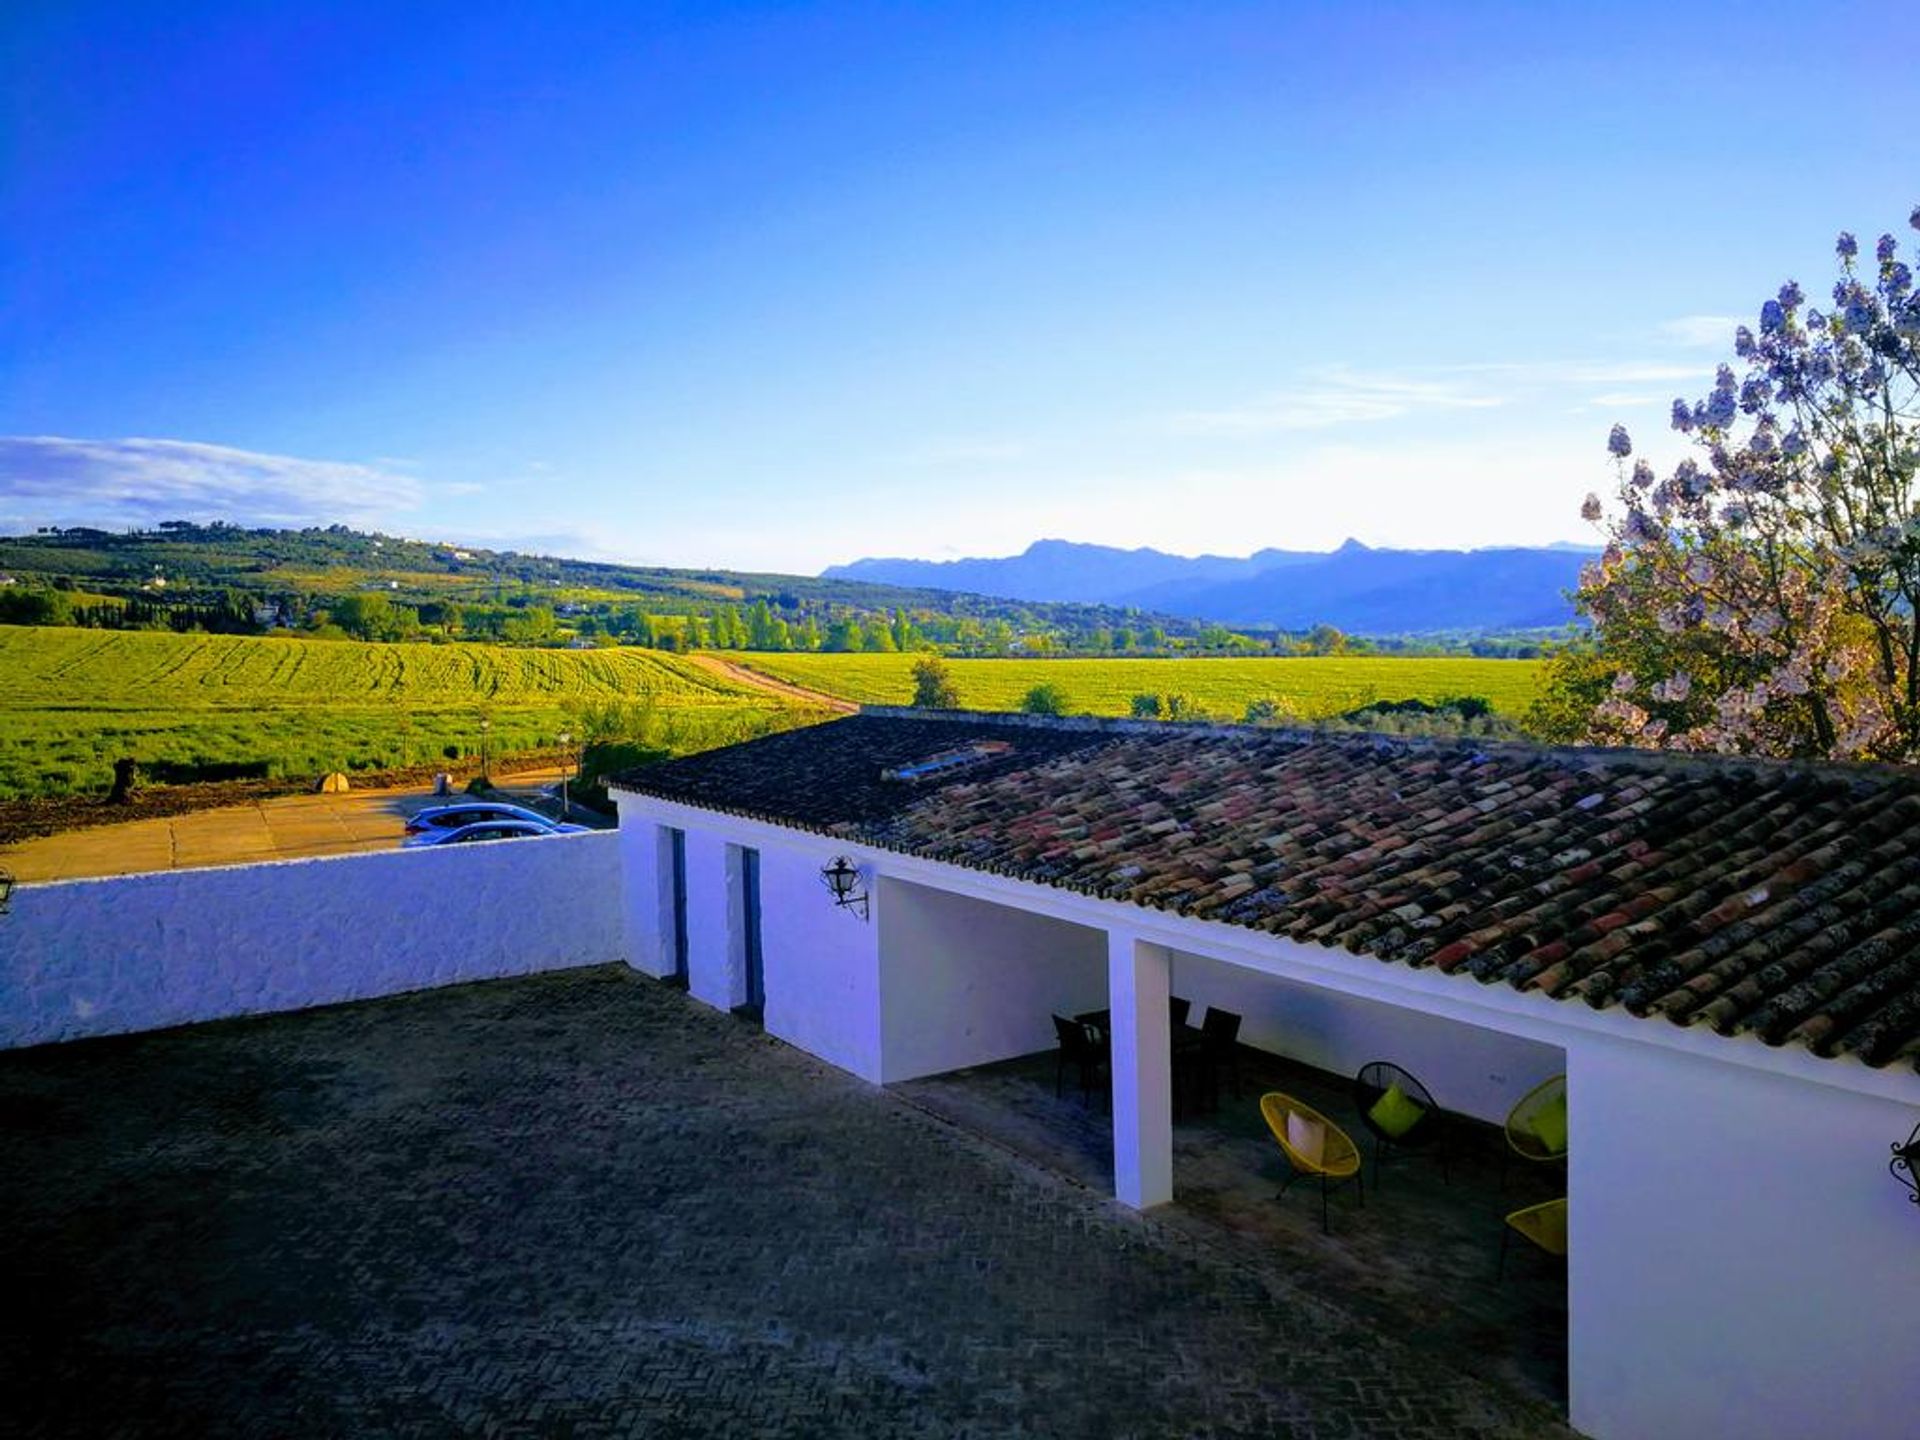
(581, 1205)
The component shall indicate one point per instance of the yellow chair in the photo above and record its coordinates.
(1544, 1224)
(1297, 1126)
(1536, 1127)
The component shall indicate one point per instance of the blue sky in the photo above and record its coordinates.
(775, 286)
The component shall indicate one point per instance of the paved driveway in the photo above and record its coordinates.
(286, 827)
(580, 1204)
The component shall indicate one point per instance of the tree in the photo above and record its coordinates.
(372, 616)
(35, 607)
(1325, 640)
(766, 630)
(933, 687)
(1046, 699)
(1761, 599)
(528, 625)
(1144, 707)
(878, 637)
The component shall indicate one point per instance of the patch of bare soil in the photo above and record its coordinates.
(747, 675)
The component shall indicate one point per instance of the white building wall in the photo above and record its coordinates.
(822, 963)
(716, 947)
(139, 952)
(646, 895)
(964, 982)
(1741, 1263)
(1471, 1070)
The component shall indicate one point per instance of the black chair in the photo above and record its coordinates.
(1178, 1009)
(1220, 1037)
(1427, 1130)
(1082, 1046)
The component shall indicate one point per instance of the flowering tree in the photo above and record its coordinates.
(1762, 598)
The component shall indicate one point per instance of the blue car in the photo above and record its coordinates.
(492, 830)
(472, 812)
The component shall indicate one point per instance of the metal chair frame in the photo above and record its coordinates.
(1274, 1108)
(1372, 1081)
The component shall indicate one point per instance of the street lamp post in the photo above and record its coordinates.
(566, 766)
(485, 726)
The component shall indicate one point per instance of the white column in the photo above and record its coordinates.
(712, 905)
(1139, 982)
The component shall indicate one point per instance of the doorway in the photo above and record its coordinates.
(678, 839)
(754, 1006)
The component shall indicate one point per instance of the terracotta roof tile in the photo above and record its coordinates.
(1754, 898)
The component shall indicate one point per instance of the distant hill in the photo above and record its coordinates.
(179, 562)
(1357, 588)
(1062, 570)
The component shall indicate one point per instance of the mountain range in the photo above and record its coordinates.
(1355, 587)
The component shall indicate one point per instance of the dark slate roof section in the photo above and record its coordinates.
(1754, 897)
(826, 777)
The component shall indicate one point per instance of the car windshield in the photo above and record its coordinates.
(458, 818)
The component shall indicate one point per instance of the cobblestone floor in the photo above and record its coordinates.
(1417, 1260)
(581, 1205)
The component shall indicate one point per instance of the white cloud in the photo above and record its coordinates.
(1628, 373)
(1701, 331)
(1335, 397)
(50, 479)
(1538, 374)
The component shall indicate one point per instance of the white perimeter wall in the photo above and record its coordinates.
(1741, 1263)
(964, 982)
(137, 952)
(1470, 1070)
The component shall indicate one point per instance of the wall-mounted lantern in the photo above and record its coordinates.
(843, 882)
(6, 890)
(1905, 1164)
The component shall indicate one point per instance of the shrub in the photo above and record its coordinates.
(933, 687)
(1271, 710)
(1046, 699)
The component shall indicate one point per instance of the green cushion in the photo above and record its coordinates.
(1550, 1125)
(1394, 1113)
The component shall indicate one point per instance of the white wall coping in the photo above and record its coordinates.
(1497, 1006)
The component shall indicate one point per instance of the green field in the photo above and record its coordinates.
(1315, 687)
(71, 701)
